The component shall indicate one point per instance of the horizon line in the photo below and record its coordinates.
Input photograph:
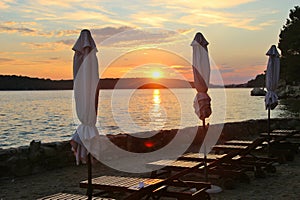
(24, 76)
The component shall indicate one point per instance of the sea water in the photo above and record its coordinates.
(50, 116)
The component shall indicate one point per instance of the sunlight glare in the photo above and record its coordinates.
(156, 74)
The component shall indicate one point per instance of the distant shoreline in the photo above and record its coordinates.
(20, 83)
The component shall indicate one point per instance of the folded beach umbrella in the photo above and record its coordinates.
(86, 78)
(201, 70)
(272, 78)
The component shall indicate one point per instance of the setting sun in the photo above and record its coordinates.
(156, 74)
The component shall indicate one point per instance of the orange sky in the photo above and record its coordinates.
(37, 36)
(145, 62)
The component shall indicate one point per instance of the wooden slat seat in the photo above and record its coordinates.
(111, 183)
(65, 196)
(281, 135)
(200, 157)
(225, 164)
(222, 148)
(286, 131)
(242, 142)
(238, 142)
(248, 163)
(225, 148)
(173, 163)
(132, 185)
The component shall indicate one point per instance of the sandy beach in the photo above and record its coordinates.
(284, 184)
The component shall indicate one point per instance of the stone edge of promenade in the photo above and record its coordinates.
(39, 157)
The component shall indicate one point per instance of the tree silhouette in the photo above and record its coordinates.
(289, 44)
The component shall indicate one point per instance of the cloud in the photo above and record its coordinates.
(4, 4)
(185, 31)
(202, 14)
(50, 46)
(73, 13)
(23, 28)
(13, 29)
(206, 18)
(217, 4)
(154, 19)
(2, 60)
(140, 38)
(240, 74)
(54, 58)
(66, 33)
(104, 33)
(185, 70)
(33, 29)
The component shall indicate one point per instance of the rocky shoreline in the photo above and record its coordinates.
(40, 157)
(289, 91)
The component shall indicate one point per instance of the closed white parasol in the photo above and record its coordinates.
(272, 78)
(201, 70)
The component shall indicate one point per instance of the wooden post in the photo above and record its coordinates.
(269, 131)
(90, 188)
(205, 157)
(269, 126)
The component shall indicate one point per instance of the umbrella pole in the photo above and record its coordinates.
(269, 126)
(269, 130)
(205, 158)
(90, 188)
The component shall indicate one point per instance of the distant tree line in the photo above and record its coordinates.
(26, 83)
(13, 82)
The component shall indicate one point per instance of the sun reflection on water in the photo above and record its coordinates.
(156, 96)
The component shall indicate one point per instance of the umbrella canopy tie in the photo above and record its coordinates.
(271, 100)
(202, 105)
(87, 132)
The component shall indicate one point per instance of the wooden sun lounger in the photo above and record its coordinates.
(223, 174)
(65, 196)
(223, 165)
(225, 148)
(280, 135)
(284, 144)
(249, 162)
(178, 165)
(156, 187)
(286, 131)
(200, 157)
(241, 142)
(113, 183)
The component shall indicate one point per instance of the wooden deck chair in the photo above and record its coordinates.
(215, 159)
(238, 163)
(280, 135)
(251, 161)
(226, 173)
(216, 166)
(199, 157)
(65, 196)
(198, 195)
(150, 188)
(284, 144)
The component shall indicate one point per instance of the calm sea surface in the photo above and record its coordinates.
(50, 115)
